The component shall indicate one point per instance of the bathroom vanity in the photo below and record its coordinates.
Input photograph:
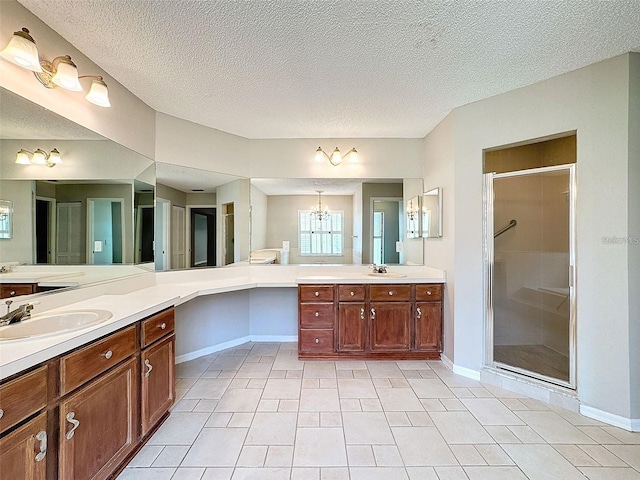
(85, 413)
(370, 321)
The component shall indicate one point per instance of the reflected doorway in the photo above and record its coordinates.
(69, 234)
(386, 228)
(105, 223)
(45, 231)
(144, 233)
(203, 236)
(228, 235)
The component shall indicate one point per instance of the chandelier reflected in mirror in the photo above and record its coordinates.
(317, 212)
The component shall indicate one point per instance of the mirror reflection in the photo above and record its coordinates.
(202, 218)
(432, 213)
(332, 221)
(80, 209)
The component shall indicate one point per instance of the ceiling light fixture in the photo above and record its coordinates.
(318, 212)
(336, 157)
(39, 157)
(60, 72)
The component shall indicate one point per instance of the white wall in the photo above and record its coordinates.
(594, 102)
(20, 247)
(413, 247)
(259, 211)
(357, 225)
(129, 121)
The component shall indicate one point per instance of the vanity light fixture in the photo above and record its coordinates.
(318, 212)
(336, 157)
(39, 157)
(60, 72)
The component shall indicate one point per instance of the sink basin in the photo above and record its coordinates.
(46, 325)
(387, 275)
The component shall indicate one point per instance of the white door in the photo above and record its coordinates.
(69, 234)
(162, 229)
(178, 233)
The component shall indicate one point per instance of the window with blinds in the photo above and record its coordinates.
(321, 237)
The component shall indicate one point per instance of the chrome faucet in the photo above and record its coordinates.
(23, 312)
(379, 268)
(5, 269)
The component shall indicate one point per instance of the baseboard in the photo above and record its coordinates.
(447, 362)
(212, 349)
(234, 343)
(466, 372)
(631, 424)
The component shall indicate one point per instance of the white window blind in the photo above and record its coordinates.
(321, 237)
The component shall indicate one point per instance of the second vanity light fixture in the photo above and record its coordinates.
(336, 157)
(39, 157)
(60, 72)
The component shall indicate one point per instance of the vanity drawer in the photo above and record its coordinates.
(316, 315)
(316, 293)
(390, 293)
(8, 290)
(429, 292)
(351, 293)
(22, 397)
(313, 340)
(88, 362)
(157, 326)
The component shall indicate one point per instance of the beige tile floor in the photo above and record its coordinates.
(257, 412)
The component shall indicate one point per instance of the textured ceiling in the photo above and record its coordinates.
(21, 119)
(323, 68)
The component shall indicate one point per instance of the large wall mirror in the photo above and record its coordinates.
(91, 210)
(332, 221)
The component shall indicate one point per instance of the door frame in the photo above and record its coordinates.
(90, 214)
(162, 229)
(488, 264)
(51, 230)
(187, 246)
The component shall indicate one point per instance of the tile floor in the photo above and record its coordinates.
(257, 412)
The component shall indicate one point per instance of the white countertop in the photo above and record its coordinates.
(175, 288)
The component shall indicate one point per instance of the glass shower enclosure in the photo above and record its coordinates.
(530, 250)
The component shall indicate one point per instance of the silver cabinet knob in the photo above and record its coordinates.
(317, 294)
(12, 293)
(163, 326)
(352, 294)
(390, 292)
(428, 292)
(108, 355)
(317, 340)
(317, 314)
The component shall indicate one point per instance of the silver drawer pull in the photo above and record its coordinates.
(390, 293)
(317, 340)
(317, 294)
(362, 313)
(163, 326)
(108, 355)
(317, 314)
(1, 413)
(41, 436)
(428, 292)
(419, 312)
(147, 364)
(373, 314)
(352, 294)
(12, 293)
(71, 419)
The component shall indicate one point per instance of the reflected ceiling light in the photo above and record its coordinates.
(39, 157)
(318, 212)
(60, 72)
(336, 157)
(22, 51)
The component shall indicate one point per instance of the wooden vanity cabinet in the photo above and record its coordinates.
(375, 321)
(157, 369)
(98, 424)
(352, 318)
(8, 290)
(23, 451)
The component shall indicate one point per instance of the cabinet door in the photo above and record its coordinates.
(390, 326)
(98, 426)
(23, 451)
(157, 379)
(429, 326)
(351, 327)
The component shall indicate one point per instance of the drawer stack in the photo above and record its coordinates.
(317, 316)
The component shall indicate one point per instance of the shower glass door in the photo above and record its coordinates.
(531, 269)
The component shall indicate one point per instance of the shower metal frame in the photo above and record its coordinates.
(489, 259)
